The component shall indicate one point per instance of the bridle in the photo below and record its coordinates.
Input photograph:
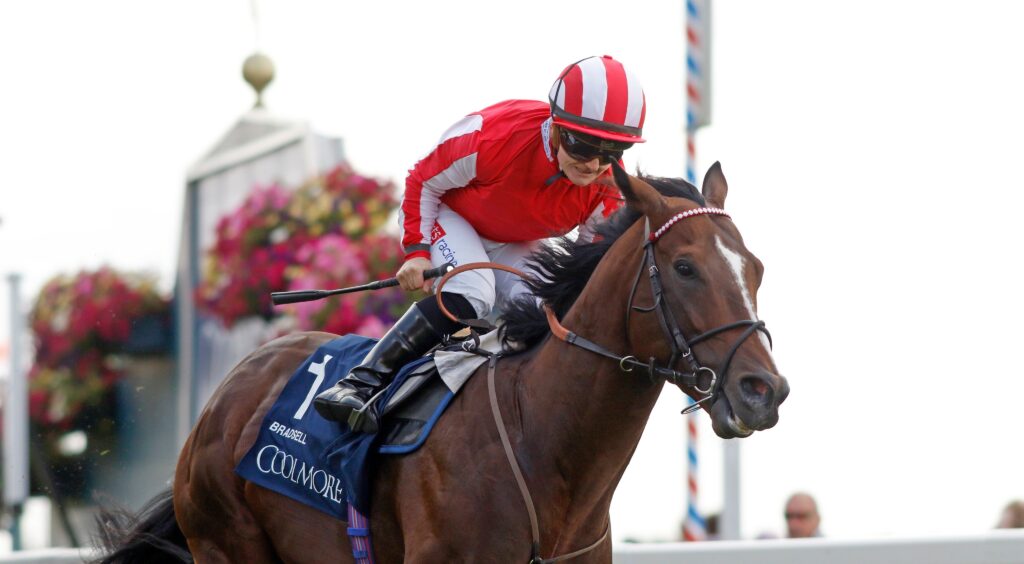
(682, 348)
(701, 378)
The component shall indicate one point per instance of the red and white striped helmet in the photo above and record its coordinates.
(598, 96)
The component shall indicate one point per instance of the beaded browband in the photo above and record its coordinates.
(688, 213)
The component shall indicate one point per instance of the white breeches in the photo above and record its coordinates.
(488, 290)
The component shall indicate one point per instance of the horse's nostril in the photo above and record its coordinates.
(756, 390)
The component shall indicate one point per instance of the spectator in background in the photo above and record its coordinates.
(711, 527)
(802, 519)
(1012, 516)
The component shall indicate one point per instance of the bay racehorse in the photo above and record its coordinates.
(668, 293)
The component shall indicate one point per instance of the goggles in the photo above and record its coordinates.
(585, 148)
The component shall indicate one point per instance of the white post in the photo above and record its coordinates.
(730, 520)
(15, 434)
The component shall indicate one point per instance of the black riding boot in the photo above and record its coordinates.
(411, 337)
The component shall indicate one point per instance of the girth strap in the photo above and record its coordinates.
(492, 361)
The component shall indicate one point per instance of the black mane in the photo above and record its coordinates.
(566, 266)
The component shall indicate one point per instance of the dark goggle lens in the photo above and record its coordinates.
(581, 150)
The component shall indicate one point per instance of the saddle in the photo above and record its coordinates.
(412, 409)
(417, 402)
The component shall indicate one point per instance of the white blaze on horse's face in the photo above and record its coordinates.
(737, 265)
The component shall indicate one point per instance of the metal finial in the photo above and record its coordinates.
(258, 71)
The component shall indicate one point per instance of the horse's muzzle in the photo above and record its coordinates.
(750, 402)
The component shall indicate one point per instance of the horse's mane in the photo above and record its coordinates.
(565, 267)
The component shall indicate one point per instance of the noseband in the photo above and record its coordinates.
(701, 378)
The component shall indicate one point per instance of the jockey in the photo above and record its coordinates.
(498, 182)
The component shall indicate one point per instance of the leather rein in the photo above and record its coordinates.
(701, 378)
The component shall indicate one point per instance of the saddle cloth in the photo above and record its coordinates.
(321, 463)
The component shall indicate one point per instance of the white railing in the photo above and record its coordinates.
(996, 547)
(47, 556)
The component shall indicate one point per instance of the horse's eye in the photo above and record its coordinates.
(685, 269)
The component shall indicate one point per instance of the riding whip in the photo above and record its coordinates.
(280, 298)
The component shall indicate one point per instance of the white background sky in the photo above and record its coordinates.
(873, 151)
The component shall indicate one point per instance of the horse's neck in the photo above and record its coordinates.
(581, 414)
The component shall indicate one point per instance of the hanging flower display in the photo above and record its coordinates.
(324, 234)
(79, 323)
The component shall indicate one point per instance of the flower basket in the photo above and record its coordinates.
(323, 234)
(80, 323)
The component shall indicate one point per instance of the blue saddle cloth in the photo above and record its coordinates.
(321, 463)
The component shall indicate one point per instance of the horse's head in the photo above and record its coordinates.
(699, 308)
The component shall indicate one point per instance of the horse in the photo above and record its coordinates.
(572, 417)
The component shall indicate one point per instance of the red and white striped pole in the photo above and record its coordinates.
(698, 77)
(698, 114)
(693, 526)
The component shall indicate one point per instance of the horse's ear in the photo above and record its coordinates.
(715, 188)
(640, 195)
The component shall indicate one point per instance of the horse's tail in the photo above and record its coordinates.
(152, 535)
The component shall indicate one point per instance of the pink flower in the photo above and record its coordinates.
(372, 327)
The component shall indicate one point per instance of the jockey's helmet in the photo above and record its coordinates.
(598, 97)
